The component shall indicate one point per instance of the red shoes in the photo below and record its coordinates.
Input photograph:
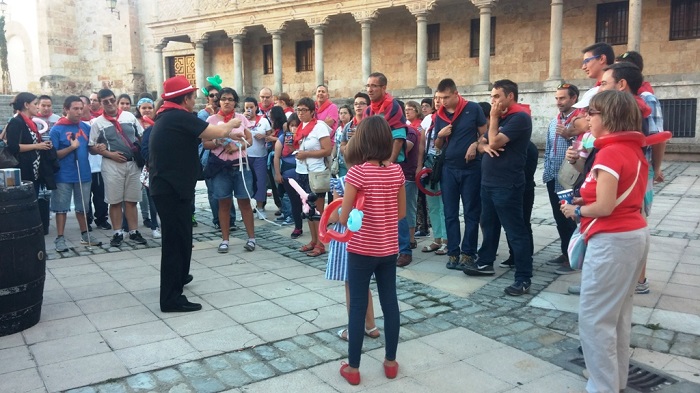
(391, 371)
(352, 378)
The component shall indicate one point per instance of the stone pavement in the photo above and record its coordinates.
(270, 318)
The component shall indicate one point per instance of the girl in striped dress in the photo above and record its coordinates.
(336, 269)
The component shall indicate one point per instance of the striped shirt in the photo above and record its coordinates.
(554, 153)
(378, 236)
(337, 266)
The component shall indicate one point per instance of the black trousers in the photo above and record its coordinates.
(176, 228)
(565, 226)
(528, 202)
(98, 200)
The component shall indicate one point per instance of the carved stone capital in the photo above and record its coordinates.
(161, 45)
(275, 28)
(484, 3)
(238, 33)
(365, 16)
(421, 8)
(317, 22)
(199, 39)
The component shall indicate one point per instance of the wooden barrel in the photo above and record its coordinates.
(22, 259)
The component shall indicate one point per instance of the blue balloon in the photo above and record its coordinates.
(355, 220)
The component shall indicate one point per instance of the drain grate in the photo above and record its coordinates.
(640, 378)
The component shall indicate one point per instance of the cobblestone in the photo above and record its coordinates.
(139, 382)
(233, 377)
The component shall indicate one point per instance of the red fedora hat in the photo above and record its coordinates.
(176, 87)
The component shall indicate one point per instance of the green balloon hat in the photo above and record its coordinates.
(214, 81)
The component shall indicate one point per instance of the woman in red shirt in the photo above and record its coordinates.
(617, 235)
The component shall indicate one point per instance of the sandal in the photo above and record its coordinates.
(249, 245)
(318, 250)
(442, 250)
(343, 334)
(369, 332)
(308, 247)
(223, 248)
(432, 247)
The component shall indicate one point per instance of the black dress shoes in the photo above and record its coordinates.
(182, 307)
(188, 279)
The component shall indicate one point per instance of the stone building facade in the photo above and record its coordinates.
(293, 46)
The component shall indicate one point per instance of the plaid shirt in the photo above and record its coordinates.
(554, 153)
(656, 119)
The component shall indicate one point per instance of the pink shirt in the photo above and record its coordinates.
(240, 131)
(330, 111)
(378, 236)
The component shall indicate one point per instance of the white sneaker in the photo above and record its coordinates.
(156, 233)
(261, 215)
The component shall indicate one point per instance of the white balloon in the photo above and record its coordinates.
(41, 123)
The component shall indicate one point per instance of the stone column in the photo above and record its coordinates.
(277, 59)
(158, 50)
(237, 62)
(485, 44)
(199, 64)
(421, 49)
(555, 37)
(365, 19)
(318, 52)
(635, 25)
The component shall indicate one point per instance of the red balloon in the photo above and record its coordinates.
(326, 234)
(659, 137)
(419, 184)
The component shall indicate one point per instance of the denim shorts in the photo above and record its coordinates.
(229, 182)
(61, 197)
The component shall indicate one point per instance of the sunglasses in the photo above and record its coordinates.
(587, 59)
(213, 95)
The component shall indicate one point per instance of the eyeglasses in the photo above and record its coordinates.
(109, 100)
(373, 86)
(592, 112)
(302, 110)
(410, 109)
(360, 103)
(227, 99)
(213, 95)
(564, 86)
(587, 59)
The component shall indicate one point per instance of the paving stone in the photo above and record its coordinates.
(326, 354)
(283, 365)
(664, 334)
(193, 369)
(286, 346)
(233, 377)
(326, 336)
(180, 388)
(168, 375)
(424, 328)
(112, 387)
(519, 326)
(241, 357)
(413, 315)
(207, 385)
(304, 341)
(440, 323)
(304, 358)
(257, 371)
(266, 352)
(431, 311)
(143, 381)
(217, 363)
(87, 389)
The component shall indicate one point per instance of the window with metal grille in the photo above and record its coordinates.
(685, 19)
(679, 116)
(434, 41)
(305, 56)
(611, 23)
(474, 37)
(107, 43)
(267, 59)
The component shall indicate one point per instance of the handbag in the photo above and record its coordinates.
(7, 160)
(567, 175)
(577, 244)
(320, 181)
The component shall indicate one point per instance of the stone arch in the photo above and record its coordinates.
(20, 57)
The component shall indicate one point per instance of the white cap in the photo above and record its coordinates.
(586, 98)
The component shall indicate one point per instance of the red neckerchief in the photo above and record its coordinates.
(646, 111)
(303, 132)
(354, 122)
(646, 87)
(86, 119)
(170, 105)
(598, 83)
(515, 108)
(382, 105)
(289, 109)
(266, 110)
(228, 117)
(114, 121)
(32, 126)
(65, 122)
(147, 120)
(96, 113)
(257, 119)
(565, 121)
(323, 106)
(442, 112)
(416, 123)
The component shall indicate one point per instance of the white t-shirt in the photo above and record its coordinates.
(310, 143)
(258, 149)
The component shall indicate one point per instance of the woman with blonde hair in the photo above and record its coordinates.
(617, 235)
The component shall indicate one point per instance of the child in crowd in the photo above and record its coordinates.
(373, 249)
(336, 269)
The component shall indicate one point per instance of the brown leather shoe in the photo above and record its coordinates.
(404, 260)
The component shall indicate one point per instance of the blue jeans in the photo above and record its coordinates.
(406, 222)
(464, 184)
(214, 204)
(258, 167)
(504, 206)
(360, 270)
